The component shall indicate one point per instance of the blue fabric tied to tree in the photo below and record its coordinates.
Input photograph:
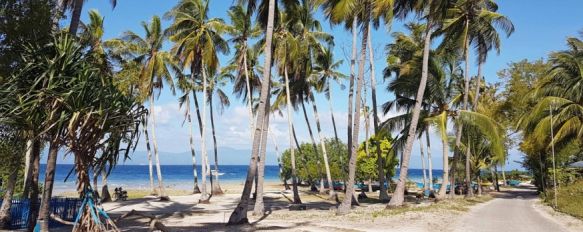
(97, 213)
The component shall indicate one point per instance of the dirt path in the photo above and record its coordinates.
(512, 210)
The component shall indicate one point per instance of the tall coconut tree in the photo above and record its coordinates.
(325, 71)
(216, 91)
(76, 7)
(198, 41)
(186, 86)
(474, 22)
(404, 60)
(285, 42)
(239, 215)
(433, 12)
(154, 71)
(241, 30)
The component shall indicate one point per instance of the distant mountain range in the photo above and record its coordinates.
(226, 155)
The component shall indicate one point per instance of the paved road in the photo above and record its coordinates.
(511, 211)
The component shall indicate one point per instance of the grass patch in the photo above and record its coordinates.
(569, 200)
(456, 205)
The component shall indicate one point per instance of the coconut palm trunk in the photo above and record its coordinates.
(150, 164)
(328, 98)
(279, 160)
(429, 159)
(216, 188)
(399, 196)
(425, 187)
(249, 94)
(205, 196)
(5, 214)
(76, 16)
(351, 87)
(443, 189)
(366, 136)
(323, 145)
(45, 207)
(383, 196)
(465, 107)
(344, 208)
(296, 197)
(195, 189)
(503, 175)
(322, 190)
(239, 215)
(162, 192)
(259, 208)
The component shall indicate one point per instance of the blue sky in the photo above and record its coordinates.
(541, 27)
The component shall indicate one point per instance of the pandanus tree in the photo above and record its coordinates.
(198, 41)
(474, 22)
(153, 70)
(21, 21)
(12, 146)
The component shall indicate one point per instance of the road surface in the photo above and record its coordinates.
(510, 211)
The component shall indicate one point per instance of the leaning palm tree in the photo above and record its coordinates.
(153, 72)
(433, 12)
(239, 215)
(197, 44)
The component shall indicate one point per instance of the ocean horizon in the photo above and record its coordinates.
(178, 176)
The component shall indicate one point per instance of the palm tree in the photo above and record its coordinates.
(153, 72)
(404, 59)
(239, 215)
(560, 94)
(77, 7)
(474, 21)
(285, 41)
(326, 70)
(433, 12)
(186, 85)
(213, 91)
(241, 29)
(199, 52)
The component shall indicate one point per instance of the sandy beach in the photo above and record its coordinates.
(183, 213)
